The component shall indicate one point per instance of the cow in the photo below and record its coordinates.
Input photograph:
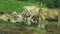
(48, 14)
(44, 14)
(14, 17)
(34, 14)
(17, 18)
(29, 11)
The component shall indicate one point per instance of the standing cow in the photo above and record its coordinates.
(44, 14)
(49, 14)
(35, 14)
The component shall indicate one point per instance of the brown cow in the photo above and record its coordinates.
(49, 14)
(44, 14)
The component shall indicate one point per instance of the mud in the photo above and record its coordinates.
(52, 29)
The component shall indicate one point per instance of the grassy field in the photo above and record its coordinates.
(11, 5)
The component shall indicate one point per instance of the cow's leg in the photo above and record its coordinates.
(39, 24)
(27, 20)
(42, 21)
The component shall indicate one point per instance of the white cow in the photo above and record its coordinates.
(19, 18)
(15, 17)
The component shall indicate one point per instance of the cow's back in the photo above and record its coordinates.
(30, 10)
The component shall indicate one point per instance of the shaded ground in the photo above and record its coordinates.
(51, 29)
(11, 28)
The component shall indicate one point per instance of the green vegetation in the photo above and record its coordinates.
(49, 3)
(11, 5)
(55, 23)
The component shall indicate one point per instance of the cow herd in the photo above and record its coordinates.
(31, 14)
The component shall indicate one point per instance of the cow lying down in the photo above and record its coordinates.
(14, 17)
(19, 18)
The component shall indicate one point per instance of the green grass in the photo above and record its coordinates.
(53, 23)
(11, 5)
